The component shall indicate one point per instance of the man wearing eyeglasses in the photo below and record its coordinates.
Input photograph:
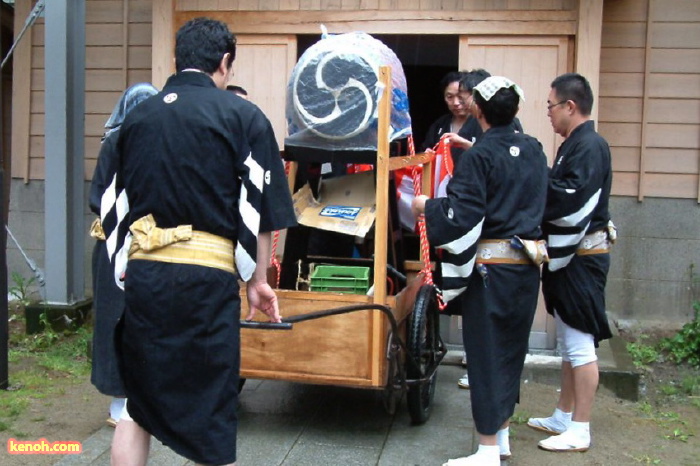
(579, 232)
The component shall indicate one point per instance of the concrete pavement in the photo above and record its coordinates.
(289, 424)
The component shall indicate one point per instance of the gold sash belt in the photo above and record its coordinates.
(96, 230)
(180, 245)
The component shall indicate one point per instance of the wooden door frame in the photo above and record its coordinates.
(585, 26)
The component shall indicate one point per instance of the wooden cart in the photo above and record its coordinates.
(386, 342)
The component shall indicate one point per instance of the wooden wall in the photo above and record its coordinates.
(650, 96)
(118, 54)
(335, 5)
(649, 99)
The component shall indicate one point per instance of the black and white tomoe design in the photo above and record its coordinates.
(335, 96)
(334, 91)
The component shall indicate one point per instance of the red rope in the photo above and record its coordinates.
(442, 149)
(417, 174)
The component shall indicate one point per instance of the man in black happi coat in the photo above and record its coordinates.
(495, 199)
(578, 232)
(205, 181)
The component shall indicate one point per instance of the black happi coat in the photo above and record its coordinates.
(471, 131)
(577, 204)
(108, 298)
(185, 155)
(498, 191)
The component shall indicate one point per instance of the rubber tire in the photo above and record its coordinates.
(422, 345)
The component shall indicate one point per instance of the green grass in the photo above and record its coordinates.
(520, 417)
(41, 365)
(642, 354)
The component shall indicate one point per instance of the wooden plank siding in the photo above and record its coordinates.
(117, 55)
(654, 135)
(21, 117)
(390, 5)
(649, 106)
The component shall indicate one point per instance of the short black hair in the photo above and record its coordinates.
(472, 78)
(501, 109)
(573, 86)
(236, 89)
(451, 77)
(201, 43)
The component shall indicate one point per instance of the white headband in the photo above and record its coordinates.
(489, 86)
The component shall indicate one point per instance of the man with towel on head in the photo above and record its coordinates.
(489, 219)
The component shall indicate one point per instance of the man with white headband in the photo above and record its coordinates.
(579, 232)
(490, 217)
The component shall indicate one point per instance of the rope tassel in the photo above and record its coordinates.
(442, 150)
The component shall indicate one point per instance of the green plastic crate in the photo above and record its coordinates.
(340, 279)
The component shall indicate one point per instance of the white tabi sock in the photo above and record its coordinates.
(488, 452)
(582, 430)
(561, 416)
(503, 439)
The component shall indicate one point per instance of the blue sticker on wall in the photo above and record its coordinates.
(340, 211)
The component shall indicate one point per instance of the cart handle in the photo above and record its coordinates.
(266, 325)
(287, 323)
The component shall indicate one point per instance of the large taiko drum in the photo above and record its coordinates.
(334, 90)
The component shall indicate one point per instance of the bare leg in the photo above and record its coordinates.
(492, 439)
(585, 380)
(487, 439)
(567, 396)
(130, 444)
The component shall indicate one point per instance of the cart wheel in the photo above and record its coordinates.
(423, 345)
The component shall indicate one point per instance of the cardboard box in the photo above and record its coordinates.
(346, 204)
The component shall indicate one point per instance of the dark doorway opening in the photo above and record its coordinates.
(425, 60)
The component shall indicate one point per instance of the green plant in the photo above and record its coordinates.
(669, 390)
(520, 417)
(684, 346)
(678, 434)
(642, 354)
(690, 385)
(644, 459)
(20, 289)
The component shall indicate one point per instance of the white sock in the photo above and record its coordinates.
(580, 429)
(491, 451)
(561, 416)
(503, 439)
(115, 408)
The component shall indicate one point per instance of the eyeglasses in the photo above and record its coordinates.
(551, 106)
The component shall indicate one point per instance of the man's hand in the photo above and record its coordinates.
(418, 205)
(261, 296)
(457, 140)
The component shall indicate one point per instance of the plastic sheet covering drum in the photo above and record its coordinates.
(334, 91)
